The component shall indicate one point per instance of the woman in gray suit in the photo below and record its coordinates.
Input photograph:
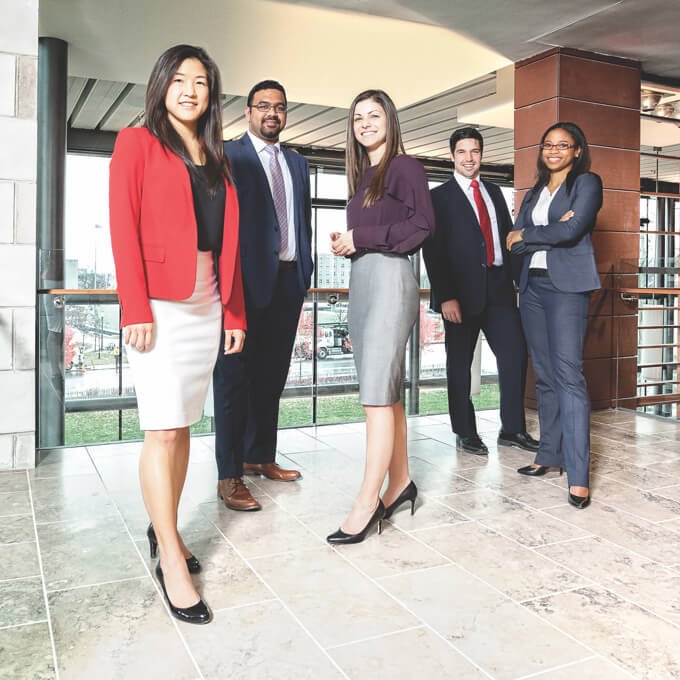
(558, 275)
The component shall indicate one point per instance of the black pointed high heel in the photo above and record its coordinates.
(579, 502)
(193, 565)
(408, 494)
(536, 471)
(197, 613)
(341, 538)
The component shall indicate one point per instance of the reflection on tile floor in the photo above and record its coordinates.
(495, 576)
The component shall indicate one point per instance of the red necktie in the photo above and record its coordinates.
(484, 222)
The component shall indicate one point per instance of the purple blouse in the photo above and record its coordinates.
(402, 219)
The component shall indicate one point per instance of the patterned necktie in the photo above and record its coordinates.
(278, 193)
(484, 222)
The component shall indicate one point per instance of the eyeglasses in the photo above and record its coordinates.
(562, 146)
(263, 107)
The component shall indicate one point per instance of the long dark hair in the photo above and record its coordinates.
(581, 162)
(209, 127)
(356, 156)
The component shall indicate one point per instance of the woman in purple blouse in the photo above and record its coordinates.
(388, 217)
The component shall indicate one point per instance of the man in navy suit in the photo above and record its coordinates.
(471, 275)
(275, 241)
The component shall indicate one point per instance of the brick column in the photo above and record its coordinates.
(602, 96)
(18, 88)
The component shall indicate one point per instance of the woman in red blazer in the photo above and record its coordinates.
(173, 214)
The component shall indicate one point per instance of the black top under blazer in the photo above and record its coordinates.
(455, 256)
(259, 237)
(570, 255)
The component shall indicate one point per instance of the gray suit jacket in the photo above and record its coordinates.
(570, 256)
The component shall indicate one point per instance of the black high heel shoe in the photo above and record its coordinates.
(579, 502)
(193, 565)
(197, 613)
(536, 471)
(341, 538)
(408, 494)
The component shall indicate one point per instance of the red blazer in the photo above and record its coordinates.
(154, 234)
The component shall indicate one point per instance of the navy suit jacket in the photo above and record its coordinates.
(259, 237)
(455, 256)
(570, 255)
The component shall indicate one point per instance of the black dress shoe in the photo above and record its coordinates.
(538, 471)
(341, 538)
(579, 502)
(522, 440)
(408, 494)
(193, 565)
(197, 613)
(472, 445)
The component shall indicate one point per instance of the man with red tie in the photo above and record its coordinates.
(471, 275)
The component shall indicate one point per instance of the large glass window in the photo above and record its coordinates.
(98, 398)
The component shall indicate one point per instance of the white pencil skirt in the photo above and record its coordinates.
(171, 379)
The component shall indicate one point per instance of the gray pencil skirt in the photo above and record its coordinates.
(383, 307)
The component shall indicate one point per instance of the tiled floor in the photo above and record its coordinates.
(495, 576)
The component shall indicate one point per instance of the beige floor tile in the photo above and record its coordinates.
(496, 476)
(51, 490)
(407, 655)
(631, 637)
(258, 642)
(21, 602)
(631, 576)
(265, 532)
(532, 527)
(672, 492)
(518, 572)
(481, 503)
(643, 478)
(647, 504)
(535, 493)
(497, 634)
(290, 441)
(331, 598)
(591, 669)
(16, 529)
(87, 552)
(627, 435)
(393, 552)
(119, 472)
(429, 512)
(13, 482)
(439, 448)
(16, 503)
(631, 532)
(59, 462)
(117, 630)
(19, 560)
(26, 652)
(434, 481)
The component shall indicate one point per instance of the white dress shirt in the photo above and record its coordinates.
(539, 215)
(289, 253)
(464, 183)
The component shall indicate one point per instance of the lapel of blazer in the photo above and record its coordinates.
(560, 203)
(499, 208)
(253, 158)
(459, 207)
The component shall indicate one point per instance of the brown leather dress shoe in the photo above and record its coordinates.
(235, 494)
(271, 471)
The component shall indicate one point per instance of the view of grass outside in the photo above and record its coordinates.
(102, 426)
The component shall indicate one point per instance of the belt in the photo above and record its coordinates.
(287, 264)
(537, 271)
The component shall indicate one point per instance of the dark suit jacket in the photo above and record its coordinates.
(258, 227)
(456, 256)
(570, 256)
